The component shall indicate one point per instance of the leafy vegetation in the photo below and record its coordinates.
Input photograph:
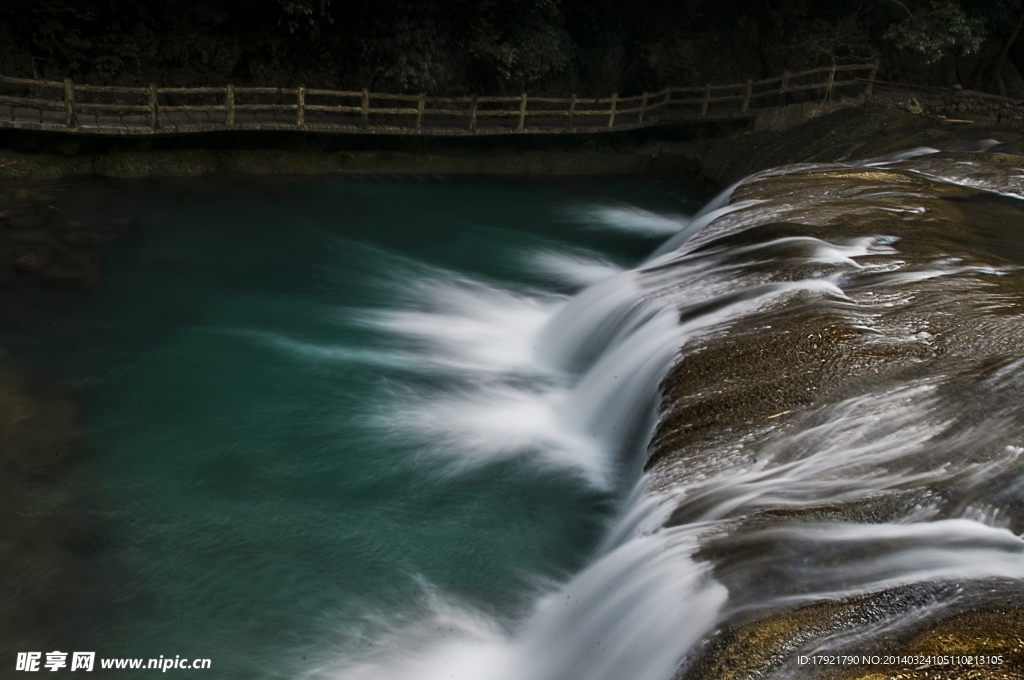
(506, 46)
(937, 29)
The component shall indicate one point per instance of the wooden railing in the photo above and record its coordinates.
(46, 104)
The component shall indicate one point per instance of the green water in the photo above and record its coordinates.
(314, 413)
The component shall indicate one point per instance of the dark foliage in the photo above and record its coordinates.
(503, 46)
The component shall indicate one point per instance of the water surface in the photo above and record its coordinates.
(318, 412)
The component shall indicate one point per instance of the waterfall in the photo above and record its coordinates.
(651, 594)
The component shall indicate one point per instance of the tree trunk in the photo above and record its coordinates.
(1006, 51)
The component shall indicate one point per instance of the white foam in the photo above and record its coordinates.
(469, 324)
(575, 268)
(882, 556)
(635, 220)
(634, 613)
(447, 640)
(898, 156)
(487, 422)
(323, 352)
(699, 222)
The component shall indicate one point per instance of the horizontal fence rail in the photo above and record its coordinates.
(28, 103)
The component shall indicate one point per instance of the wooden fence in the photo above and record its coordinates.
(53, 105)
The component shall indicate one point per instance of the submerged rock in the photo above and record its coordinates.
(37, 248)
(50, 266)
(39, 573)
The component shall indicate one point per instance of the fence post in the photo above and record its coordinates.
(154, 110)
(746, 99)
(572, 111)
(366, 109)
(831, 81)
(785, 86)
(300, 105)
(229, 105)
(420, 104)
(71, 120)
(611, 111)
(871, 78)
(522, 113)
(707, 100)
(643, 109)
(472, 115)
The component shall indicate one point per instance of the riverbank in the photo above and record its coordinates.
(29, 155)
(708, 156)
(194, 163)
(886, 123)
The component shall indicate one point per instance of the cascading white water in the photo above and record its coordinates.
(595, 363)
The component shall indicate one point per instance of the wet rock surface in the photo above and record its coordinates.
(955, 103)
(806, 440)
(888, 122)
